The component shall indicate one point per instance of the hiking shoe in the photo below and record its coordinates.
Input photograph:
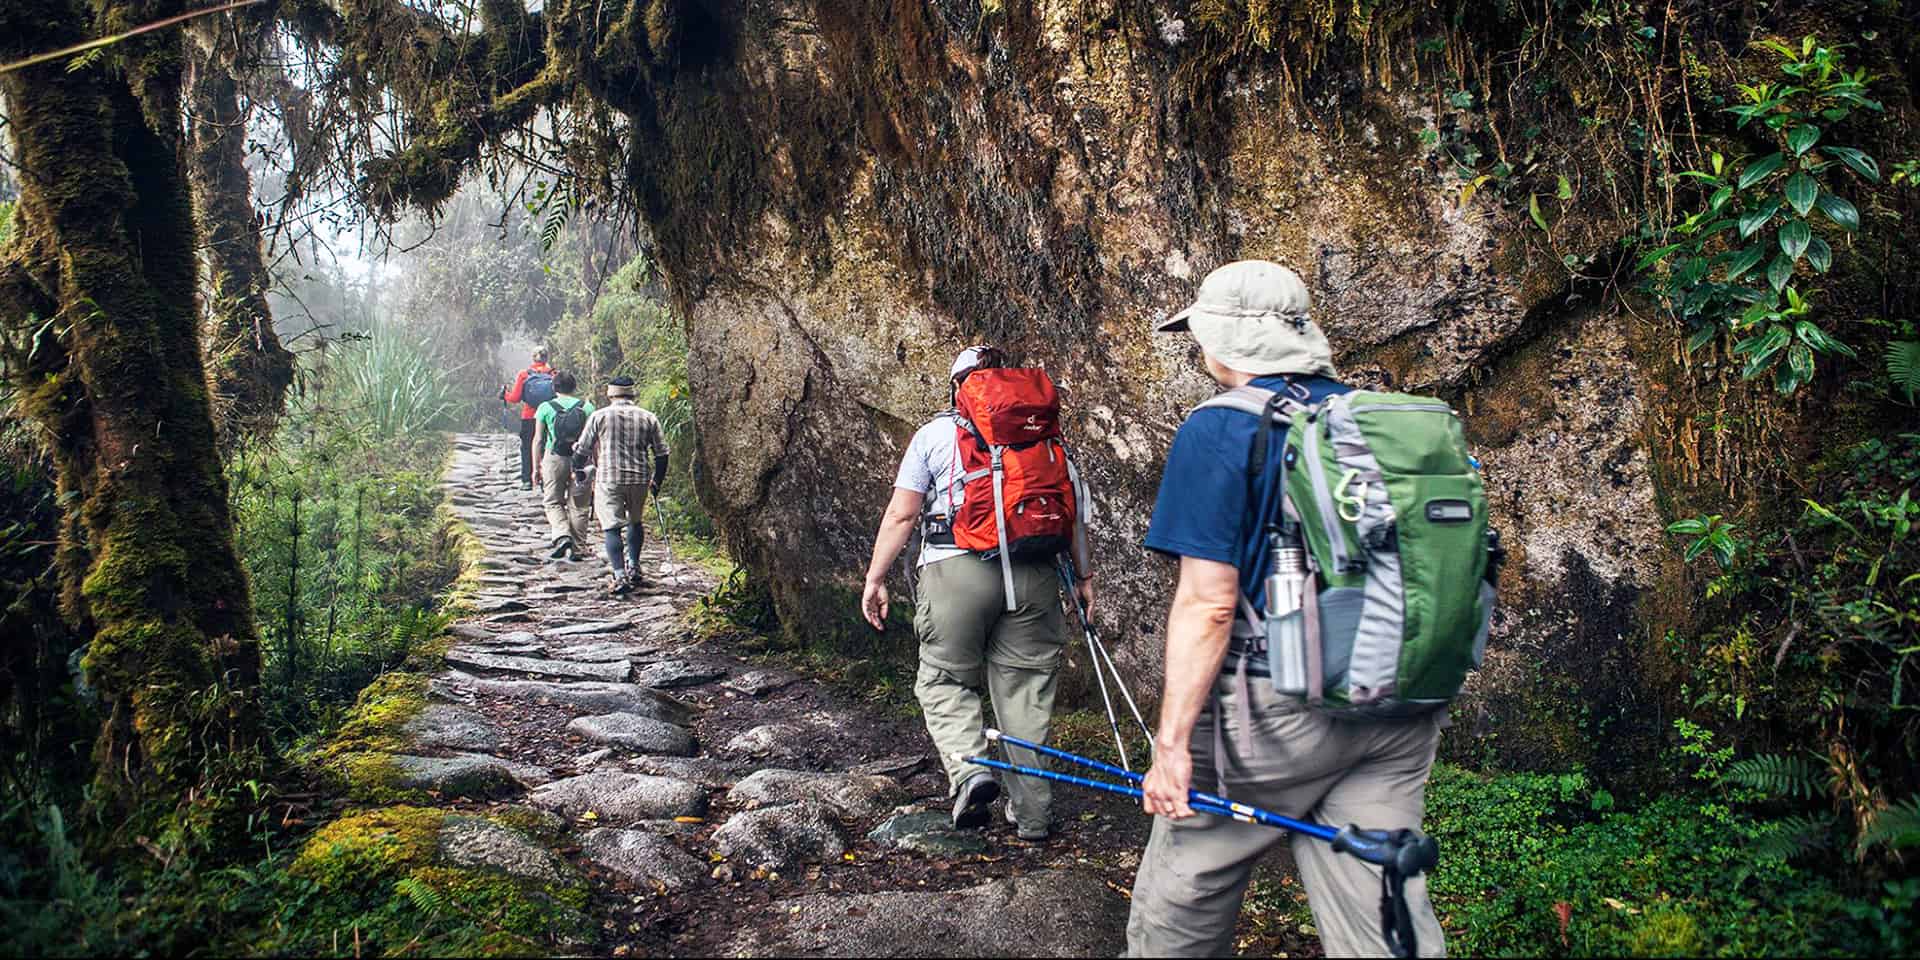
(562, 549)
(1031, 834)
(972, 803)
(620, 584)
(526, 484)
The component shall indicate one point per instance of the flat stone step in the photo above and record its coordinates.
(852, 795)
(620, 799)
(643, 858)
(589, 697)
(612, 672)
(474, 775)
(584, 629)
(634, 732)
(1052, 913)
(669, 674)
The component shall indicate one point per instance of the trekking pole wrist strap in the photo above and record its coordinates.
(1399, 854)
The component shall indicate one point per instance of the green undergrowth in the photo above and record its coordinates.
(1543, 864)
(352, 555)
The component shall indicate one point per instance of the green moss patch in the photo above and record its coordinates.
(382, 874)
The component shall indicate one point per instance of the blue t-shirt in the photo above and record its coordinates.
(1203, 508)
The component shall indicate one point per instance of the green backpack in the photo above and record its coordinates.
(1400, 558)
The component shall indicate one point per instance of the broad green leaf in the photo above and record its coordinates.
(1802, 138)
(1695, 549)
(1652, 257)
(1764, 344)
(1754, 314)
(1763, 349)
(1720, 198)
(1565, 189)
(1811, 335)
(1752, 220)
(1533, 210)
(1701, 337)
(1839, 211)
(1819, 254)
(1794, 238)
(1760, 169)
(1691, 525)
(1745, 260)
(1780, 271)
(1859, 162)
(1801, 192)
(1800, 361)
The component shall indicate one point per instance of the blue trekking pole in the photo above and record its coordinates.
(1398, 853)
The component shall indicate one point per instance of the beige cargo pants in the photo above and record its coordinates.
(1373, 774)
(568, 510)
(969, 639)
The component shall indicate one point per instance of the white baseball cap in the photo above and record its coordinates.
(973, 357)
(1254, 316)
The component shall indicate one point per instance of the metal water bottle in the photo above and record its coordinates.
(1286, 632)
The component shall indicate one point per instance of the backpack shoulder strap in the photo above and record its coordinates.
(1247, 399)
(1271, 406)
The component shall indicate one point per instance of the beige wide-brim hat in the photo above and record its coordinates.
(1254, 316)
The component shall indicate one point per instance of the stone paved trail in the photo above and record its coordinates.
(717, 804)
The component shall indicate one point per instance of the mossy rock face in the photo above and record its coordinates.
(403, 872)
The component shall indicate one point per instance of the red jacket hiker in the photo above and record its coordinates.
(520, 384)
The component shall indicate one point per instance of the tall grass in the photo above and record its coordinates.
(392, 382)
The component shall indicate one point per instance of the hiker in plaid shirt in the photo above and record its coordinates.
(625, 443)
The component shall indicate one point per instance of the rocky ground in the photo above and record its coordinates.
(716, 803)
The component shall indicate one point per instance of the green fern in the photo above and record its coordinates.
(1784, 839)
(1896, 827)
(423, 896)
(1903, 366)
(1779, 776)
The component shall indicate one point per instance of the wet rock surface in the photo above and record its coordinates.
(930, 833)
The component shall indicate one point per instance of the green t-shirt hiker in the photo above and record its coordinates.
(557, 425)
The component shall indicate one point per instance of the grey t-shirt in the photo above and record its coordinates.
(928, 468)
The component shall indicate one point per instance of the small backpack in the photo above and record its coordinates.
(1019, 493)
(537, 389)
(1400, 558)
(567, 424)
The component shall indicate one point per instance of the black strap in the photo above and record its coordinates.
(1396, 918)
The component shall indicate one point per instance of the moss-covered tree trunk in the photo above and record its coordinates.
(249, 368)
(98, 295)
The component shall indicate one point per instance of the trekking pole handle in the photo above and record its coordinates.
(1409, 852)
(1245, 812)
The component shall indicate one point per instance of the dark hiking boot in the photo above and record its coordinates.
(972, 803)
(562, 549)
(619, 584)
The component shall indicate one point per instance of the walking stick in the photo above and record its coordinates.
(666, 540)
(1399, 853)
(1097, 651)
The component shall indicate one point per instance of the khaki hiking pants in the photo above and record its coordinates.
(967, 636)
(569, 512)
(1373, 774)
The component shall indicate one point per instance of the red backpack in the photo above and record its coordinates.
(1020, 494)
